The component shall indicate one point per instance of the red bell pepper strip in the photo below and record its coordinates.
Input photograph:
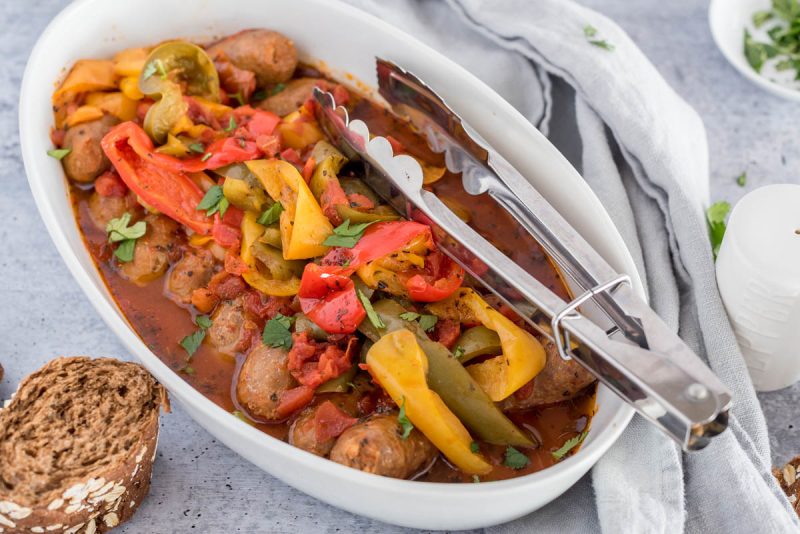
(379, 240)
(328, 297)
(169, 190)
(229, 150)
(445, 277)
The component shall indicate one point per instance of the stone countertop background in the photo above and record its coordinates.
(200, 485)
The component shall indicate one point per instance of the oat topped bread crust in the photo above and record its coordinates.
(789, 479)
(76, 445)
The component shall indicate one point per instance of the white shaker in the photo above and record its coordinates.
(758, 273)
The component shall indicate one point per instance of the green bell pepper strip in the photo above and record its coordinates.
(478, 341)
(447, 377)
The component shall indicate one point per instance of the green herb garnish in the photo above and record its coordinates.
(193, 341)
(741, 180)
(161, 70)
(409, 316)
(276, 332)
(197, 147)
(260, 95)
(149, 70)
(783, 37)
(206, 156)
(569, 445)
(715, 215)
(373, 317)
(590, 32)
(214, 201)
(458, 353)
(271, 215)
(474, 447)
(188, 369)
(426, 322)
(515, 459)
(59, 153)
(231, 124)
(238, 97)
(203, 321)
(405, 424)
(277, 89)
(345, 235)
(119, 232)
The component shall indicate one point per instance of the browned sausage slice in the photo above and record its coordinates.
(86, 160)
(292, 97)
(262, 380)
(231, 330)
(103, 209)
(376, 446)
(191, 272)
(152, 251)
(315, 430)
(559, 380)
(268, 54)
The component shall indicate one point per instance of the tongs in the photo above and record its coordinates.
(626, 346)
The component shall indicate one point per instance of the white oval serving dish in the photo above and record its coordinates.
(97, 28)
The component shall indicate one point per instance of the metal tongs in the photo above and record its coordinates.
(627, 346)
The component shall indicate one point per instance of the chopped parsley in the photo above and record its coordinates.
(783, 43)
(197, 147)
(59, 153)
(345, 235)
(741, 180)
(260, 95)
(231, 124)
(569, 445)
(426, 322)
(277, 89)
(276, 332)
(193, 341)
(715, 215)
(373, 317)
(238, 97)
(214, 201)
(271, 215)
(405, 424)
(458, 353)
(161, 70)
(515, 459)
(206, 156)
(590, 32)
(474, 447)
(149, 70)
(119, 232)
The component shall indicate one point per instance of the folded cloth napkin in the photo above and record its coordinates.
(643, 151)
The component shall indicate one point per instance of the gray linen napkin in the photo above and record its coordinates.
(643, 151)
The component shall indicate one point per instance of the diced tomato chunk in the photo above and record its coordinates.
(446, 332)
(330, 421)
(291, 156)
(294, 399)
(312, 363)
(308, 169)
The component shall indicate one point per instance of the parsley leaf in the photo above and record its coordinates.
(59, 153)
(458, 353)
(231, 124)
(239, 98)
(715, 215)
(515, 459)
(405, 424)
(214, 201)
(589, 30)
(276, 332)
(345, 235)
(260, 95)
(203, 321)
(119, 232)
(373, 317)
(569, 445)
(277, 89)
(760, 17)
(161, 70)
(474, 447)
(741, 180)
(206, 156)
(192, 342)
(271, 215)
(426, 322)
(197, 147)
(149, 70)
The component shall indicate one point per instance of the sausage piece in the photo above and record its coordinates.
(303, 434)
(262, 379)
(191, 272)
(292, 97)
(271, 56)
(86, 160)
(559, 380)
(376, 446)
(103, 209)
(231, 330)
(152, 251)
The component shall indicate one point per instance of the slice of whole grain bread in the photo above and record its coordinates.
(77, 444)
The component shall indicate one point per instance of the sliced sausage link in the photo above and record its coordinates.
(271, 56)
(262, 380)
(86, 159)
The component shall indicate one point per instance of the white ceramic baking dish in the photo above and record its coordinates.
(323, 30)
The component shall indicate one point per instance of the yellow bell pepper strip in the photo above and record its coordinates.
(298, 130)
(130, 62)
(448, 378)
(130, 87)
(83, 114)
(399, 365)
(86, 75)
(251, 231)
(116, 104)
(303, 226)
(523, 356)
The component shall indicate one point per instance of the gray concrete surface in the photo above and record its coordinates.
(201, 486)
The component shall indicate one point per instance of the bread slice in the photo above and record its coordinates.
(789, 479)
(77, 444)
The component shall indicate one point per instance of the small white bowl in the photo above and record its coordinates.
(348, 40)
(728, 20)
